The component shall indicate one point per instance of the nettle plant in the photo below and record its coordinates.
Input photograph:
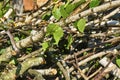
(61, 12)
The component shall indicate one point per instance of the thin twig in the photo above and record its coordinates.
(13, 41)
(80, 71)
(77, 53)
(65, 73)
(100, 54)
(93, 74)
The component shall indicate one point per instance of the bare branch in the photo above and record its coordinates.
(18, 71)
(100, 8)
(111, 67)
(22, 44)
(12, 41)
(67, 77)
(100, 54)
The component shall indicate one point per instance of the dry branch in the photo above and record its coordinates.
(104, 21)
(12, 41)
(22, 44)
(35, 53)
(38, 76)
(65, 72)
(100, 8)
(111, 67)
(105, 34)
(6, 15)
(11, 74)
(97, 55)
(45, 72)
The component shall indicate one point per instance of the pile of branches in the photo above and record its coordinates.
(91, 53)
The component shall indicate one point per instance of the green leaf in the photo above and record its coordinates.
(68, 1)
(70, 40)
(81, 25)
(79, 3)
(51, 29)
(45, 46)
(2, 51)
(1, 13)
(16, 39)
(118, 62)
(28, 50)
(56, 31)
(75, 24)
(56, 13)
(69, 8)
(57, 35)
(85, 53)
(63, 12)
(94, 3)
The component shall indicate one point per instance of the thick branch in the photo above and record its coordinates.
(50, 72)
(100, 8)
(22, 44)
(17, 71)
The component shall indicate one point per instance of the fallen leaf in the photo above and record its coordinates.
(32, 4)
(29, 5)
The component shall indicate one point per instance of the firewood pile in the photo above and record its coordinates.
(60, 40)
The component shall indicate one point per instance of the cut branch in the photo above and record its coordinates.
(100, 8)
(18, 71)
(22, 44)
(100, 54)
(46, 72)
(111, 67)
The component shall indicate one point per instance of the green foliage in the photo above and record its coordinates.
(81, 25)
(55, 0)
(2, 51)
(16, 39)
(45, 45)
(69, 8)
(85, 53)
(118, 62)
(58, 34)
(108, 44)
(3, 9)
(28, 50)
(56, 13)
(51, 28)
(1, 13)
(70, 40)
(13, 61)
(94, 3)
(56, 31)
(65, 10)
